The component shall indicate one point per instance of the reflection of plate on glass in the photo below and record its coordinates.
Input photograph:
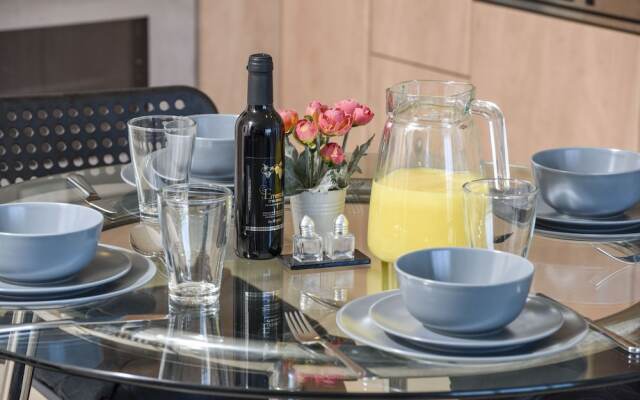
(108, 265)
(142, 271)
(545, 213)
(538, 320)
(621, 235)
(353, 319)
(128, 175)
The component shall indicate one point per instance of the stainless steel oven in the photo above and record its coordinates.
(622, 15)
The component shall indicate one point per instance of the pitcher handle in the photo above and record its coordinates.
(498, 134)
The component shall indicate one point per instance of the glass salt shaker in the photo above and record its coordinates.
(307, 246)
(340, 244)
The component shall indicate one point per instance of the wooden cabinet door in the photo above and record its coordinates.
(324, 51)
(433, 33)
(559, 83)
(228, 32)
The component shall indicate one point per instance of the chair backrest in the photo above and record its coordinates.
(46, 135)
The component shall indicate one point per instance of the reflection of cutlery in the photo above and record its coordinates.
(502, 238)
(304, 333)
(324, 301)
(622, 342)
(69, 322)
(625, 258)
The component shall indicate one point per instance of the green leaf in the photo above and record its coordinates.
(289, 149)
(318, 141)
(302, 168)
(292, 184)
(321, 170)
(359, 152)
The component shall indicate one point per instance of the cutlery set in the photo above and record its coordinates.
(304, 333)
(110, 209)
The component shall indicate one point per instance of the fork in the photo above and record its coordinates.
(626, 258)
(304, 333)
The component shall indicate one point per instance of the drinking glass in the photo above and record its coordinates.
(161, 149)
(194, 222)
(500, 214)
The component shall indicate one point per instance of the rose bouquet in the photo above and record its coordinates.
(316, 161)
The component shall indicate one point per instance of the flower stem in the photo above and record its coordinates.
(344, 142)
(311, 162)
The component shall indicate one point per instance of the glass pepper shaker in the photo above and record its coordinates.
(340, 244)
(307, 246)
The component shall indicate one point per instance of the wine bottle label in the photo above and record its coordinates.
(264, 189)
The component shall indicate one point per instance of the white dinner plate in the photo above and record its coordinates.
(108, 265)
(142, 271)
(538, 320)
(353, 319)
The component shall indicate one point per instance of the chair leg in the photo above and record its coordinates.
(16, 383)
(27, 376)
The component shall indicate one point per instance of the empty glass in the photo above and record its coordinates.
(161, 149)
(194, 220)
(500, 214)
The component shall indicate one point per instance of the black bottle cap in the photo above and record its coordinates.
(260, 62)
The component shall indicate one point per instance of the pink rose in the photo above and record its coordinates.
(334, 122)
(347, 105)
(290, 119)
(362, 115)
(332, 153)
(306, 131)
(314, 109)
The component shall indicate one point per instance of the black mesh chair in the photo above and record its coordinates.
(44, 135)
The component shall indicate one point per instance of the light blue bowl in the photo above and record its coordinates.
(462, 290)
(588, 181)
(45, 242)
(214, 151)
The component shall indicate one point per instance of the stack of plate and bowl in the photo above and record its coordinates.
(588, 194)
(50, 257)
(462, 305)
(213, 159)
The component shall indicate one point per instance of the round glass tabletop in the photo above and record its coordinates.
(245, 347)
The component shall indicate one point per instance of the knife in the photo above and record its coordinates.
(623, 343)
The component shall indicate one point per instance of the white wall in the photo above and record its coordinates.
(172, 28)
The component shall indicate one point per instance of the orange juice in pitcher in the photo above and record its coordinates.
(428, 151)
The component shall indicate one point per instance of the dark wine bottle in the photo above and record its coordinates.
(259, 167)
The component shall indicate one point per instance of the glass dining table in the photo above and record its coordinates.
(245, 349)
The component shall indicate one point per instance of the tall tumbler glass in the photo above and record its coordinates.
(161, 149)
(500, 214)
(194, 224)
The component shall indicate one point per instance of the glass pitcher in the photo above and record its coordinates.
(429, 149)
